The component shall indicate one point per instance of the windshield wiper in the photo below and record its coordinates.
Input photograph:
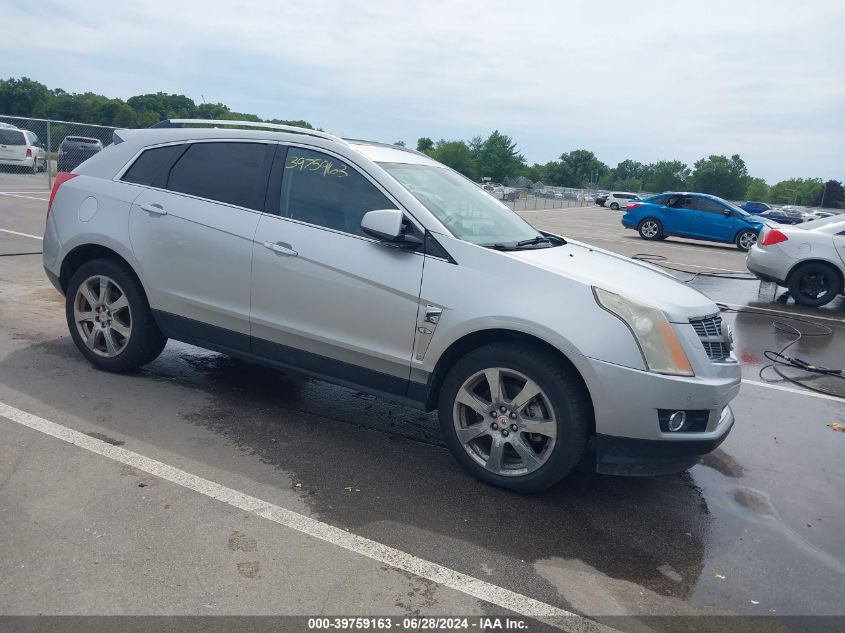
(541, 239)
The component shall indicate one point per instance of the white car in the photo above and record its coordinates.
(21, 148)
(808, 259)
(809, 216)
(619, 199)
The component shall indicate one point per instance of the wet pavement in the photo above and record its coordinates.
(755, 529)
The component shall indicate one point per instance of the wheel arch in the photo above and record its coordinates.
(472, 341)
(817, 260)
(85, 253)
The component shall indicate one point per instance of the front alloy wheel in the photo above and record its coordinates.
(505, 422)
(746, 240)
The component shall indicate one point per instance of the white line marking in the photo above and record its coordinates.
(802, 392)
(41, 191)
(35, 237)
(512, 601)
(801, 315)
(14, 195)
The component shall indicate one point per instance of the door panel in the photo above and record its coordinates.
(195, 258)
(711, 221)
(678, 216)
(340, 297)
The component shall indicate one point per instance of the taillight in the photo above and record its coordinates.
(29, 152)
(634, 205)
(61, 177)
(773, 237)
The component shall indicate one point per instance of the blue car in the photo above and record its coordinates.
(695, 215)
(755, 207)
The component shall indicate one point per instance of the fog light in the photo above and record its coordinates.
(677, 420)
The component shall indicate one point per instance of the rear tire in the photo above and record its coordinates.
(745, 240)
(650, 229)
(501, 450)
(109, 318)
(814, 284)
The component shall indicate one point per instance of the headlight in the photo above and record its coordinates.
(662, 351)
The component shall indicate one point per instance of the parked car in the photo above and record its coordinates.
(818, 214)
(808, 259)
(397, 265)
(781, 217)
(22, 149)
(601, 199)
(619, 199)
(755, 207)
(74, 150)
(694, 215)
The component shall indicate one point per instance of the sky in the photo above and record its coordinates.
(648, 80)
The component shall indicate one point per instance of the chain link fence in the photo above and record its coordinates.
(32, 150)
(538, 199)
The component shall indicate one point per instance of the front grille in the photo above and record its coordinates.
(711, 326)
(715, 344)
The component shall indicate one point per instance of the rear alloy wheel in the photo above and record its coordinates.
(614, 206)
(745, 240)
(814, 284)
(650, 229)
(514, 416)
(109, 317)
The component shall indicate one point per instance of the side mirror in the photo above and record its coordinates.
(385, 224)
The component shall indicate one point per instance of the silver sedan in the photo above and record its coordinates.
(808, 259)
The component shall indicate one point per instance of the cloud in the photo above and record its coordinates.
(643, 80)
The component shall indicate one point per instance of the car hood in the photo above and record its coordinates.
(639, 281)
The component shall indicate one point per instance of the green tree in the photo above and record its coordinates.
(796, 191)
(720, 176)
(456, 155)
(578, 168)
(831, 196)
(425, 144)
(666, 175)
(498, 157)
(756, 189)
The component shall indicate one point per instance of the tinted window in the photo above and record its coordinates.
(226, 172)
(680, 202)
(708, 205)
(11, 137)
(323, 190)
(659, 199)
(152, 166)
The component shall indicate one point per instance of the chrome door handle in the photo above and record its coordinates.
(281, 248)
(154, 209)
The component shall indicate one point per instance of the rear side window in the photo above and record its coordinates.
(12, 137)
(226, 172)
(660, 199)
(152, 166)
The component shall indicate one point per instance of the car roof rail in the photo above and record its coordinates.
(256, 124)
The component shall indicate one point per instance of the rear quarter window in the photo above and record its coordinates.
(153, 165)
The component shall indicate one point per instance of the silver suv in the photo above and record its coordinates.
(376, 267)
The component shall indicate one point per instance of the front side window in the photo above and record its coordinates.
(225, 172)
(323, 190)
(470, 213)
(709, 206)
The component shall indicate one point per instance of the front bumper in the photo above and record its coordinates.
(637, 457)
(628, 402)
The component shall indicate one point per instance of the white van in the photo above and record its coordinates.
(21, 148)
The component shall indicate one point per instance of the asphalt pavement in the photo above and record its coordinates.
(359, 509)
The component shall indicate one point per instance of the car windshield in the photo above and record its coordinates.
(470, 213)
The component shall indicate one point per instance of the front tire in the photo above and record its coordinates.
(814, 284)
(745, 240)
(650, 229)
(614, 206)
(109, 317)
(514, 416)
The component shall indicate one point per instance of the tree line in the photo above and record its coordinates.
(496, 156)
